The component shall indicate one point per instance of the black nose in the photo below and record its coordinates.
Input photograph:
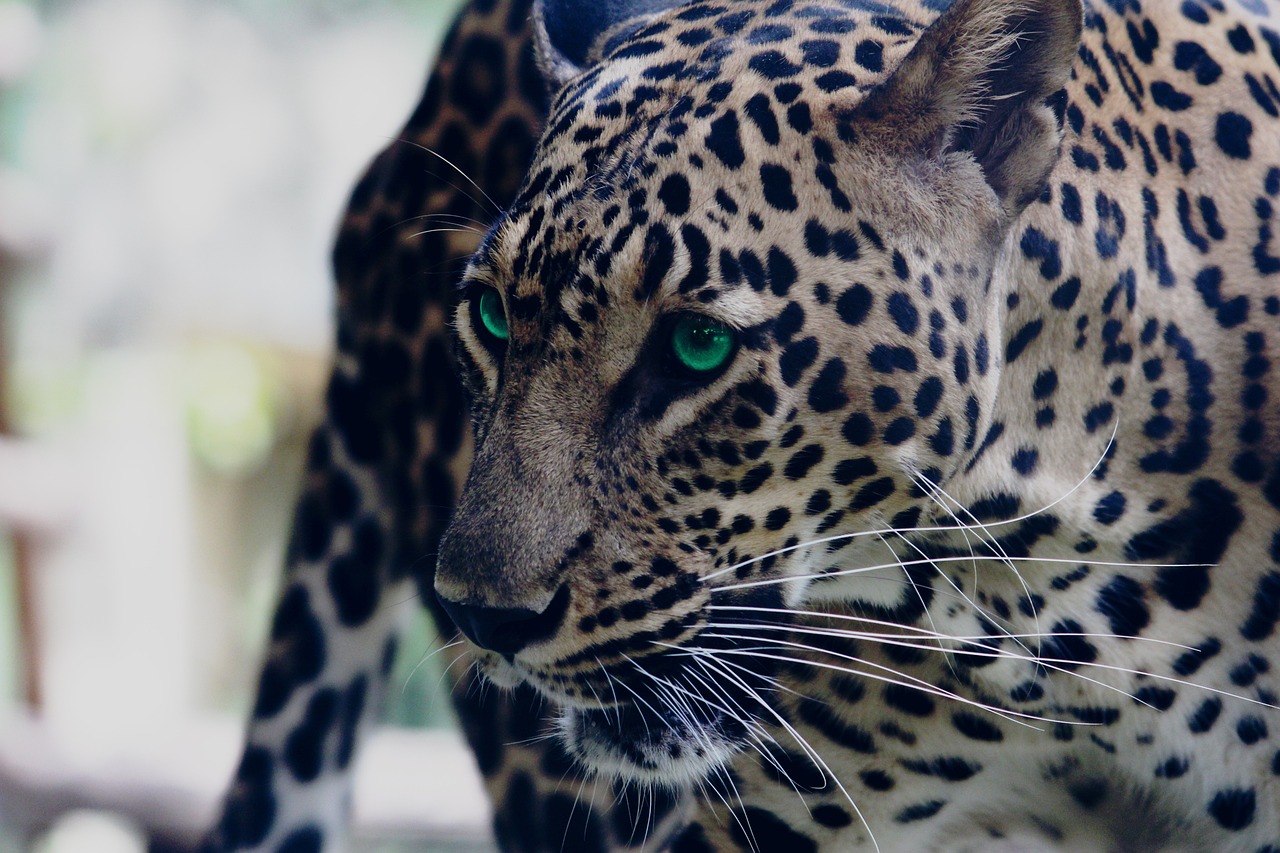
(507, 630)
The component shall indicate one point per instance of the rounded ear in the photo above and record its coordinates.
(982, 79)
(565, 31)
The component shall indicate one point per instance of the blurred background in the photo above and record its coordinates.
(171, 175)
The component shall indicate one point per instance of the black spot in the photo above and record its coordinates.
(849, 470)
(725, 142)
(858, 429)
(832, 81)
(304, 748)
(295, 629)
(1189, 663)
(775, 181)
(1024, 461)
(1066, 647)
(1122, 602)
(908, 700)
(312, 527)
(781, 272)
(792, 770)
(1251, 729)
(1232, 135)
(845, 245)
(659, 254)
(950, 768)
(822, 717)
(355, 588)
(796, 358)
(802, 460)
(306, 839)
(1021, 339)
(1197, 536)
(872, 494)
(904, 313)
(1173, 767)
(831, 816)
(761, 115)
(353, 702)
(1089, 792)
(1064, 297)
(768, 832)
(876, 780)
(250, 812)
(755, 478)
(976, 728)
(1037, 245)
(1160, 698)
(1169, 98)
(826, 394)
(1190, 56)
(920, 811)
(674, 194)
(1203, 718)
(869, 54)
(1109, 508)
(773, 65)
(1261, 623)
(927, 396)
(854, 304)
(1233, 808)
(887, 359)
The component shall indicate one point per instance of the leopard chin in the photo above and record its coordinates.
(667, 747)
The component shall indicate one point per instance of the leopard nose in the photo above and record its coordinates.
(507, 630)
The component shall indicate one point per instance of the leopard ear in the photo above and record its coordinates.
(983, 79)
(569, 33)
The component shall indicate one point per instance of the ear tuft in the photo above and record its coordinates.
(567, 32)
(981, 79)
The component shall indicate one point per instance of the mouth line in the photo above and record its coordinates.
(668, 729)
(664, 746)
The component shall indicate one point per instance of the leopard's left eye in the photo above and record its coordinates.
(493, 317)
(701, 344)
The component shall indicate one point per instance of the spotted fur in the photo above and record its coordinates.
(973, 543)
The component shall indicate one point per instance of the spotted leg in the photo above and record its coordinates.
(382, 473)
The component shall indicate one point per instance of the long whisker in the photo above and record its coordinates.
(935, 561)
(933, 490)
(497, 207)
(422, 662)
(1056, 664)
(925, 529)
(898, 629)
(895, 677)
(708, 659)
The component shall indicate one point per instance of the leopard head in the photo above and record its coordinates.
(733, 330)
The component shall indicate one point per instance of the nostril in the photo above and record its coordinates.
(507, 630)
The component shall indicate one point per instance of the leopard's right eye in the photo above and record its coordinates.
(492, 315)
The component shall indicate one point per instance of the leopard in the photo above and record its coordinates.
(816, 425)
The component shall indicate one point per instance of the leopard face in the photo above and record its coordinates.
(726, 346)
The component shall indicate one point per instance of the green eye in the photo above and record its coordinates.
(700, 343)
(492, 316)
